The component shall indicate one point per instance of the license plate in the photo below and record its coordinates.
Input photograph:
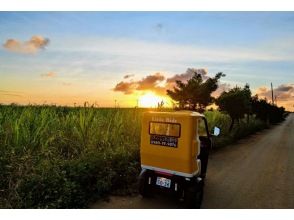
(161, 181)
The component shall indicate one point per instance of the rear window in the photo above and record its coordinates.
(201, 128)
(165, 129)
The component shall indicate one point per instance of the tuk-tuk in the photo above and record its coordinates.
(174, 155)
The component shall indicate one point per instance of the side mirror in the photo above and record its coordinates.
(216, 131)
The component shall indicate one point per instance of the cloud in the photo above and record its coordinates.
(283, 92)
(283, 95)
(125, 87)
(128, 76)
(49, 75)
(222, 87)
(158, 27)
(34, 45)
(285, 88)
(188, 75)
(157, 82)
(150, 82)
(174, 53)
(261, 90)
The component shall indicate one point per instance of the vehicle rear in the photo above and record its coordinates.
(169, 152)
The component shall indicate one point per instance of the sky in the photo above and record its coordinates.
(116, 58)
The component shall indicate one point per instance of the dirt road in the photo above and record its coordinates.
(255, 173)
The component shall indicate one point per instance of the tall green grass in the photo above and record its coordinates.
(60, 157)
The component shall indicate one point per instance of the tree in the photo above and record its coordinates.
(196, 93)
(236, 102)
(248, 100)
(266, 111)
(260, 107)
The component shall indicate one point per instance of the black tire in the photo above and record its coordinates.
(144, 187)
(193, 196)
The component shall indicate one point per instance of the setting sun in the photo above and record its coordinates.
(150, 100)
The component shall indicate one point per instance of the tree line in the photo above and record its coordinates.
(195, 94)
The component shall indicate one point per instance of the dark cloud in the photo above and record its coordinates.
(182, 77)
(158, 27)
(31, 46)
(128, 76)
(188, 75)
(284, 88)
(284, 92)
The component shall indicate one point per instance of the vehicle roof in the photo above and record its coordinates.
(179, 113)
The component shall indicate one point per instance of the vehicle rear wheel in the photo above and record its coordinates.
(193, 196)
(144, 187)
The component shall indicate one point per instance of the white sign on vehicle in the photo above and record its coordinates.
(161, 181)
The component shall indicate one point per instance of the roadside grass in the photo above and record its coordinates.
(61, 157)
(242, 129)
(56, 157)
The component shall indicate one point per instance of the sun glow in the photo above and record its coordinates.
(150, 100)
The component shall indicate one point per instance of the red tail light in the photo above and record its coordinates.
(163, 173)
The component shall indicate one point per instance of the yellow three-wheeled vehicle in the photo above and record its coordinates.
(174, 155)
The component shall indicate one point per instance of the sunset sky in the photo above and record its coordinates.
(112, 58)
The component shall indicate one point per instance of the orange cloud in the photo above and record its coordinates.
(49, 75)
(283, 95)
(261, 90)
(125, 87)
(32, 46)
(283, 92)
(150, 82)
(222, 87)
(157, 82)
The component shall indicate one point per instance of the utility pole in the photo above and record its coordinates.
(272, 94)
